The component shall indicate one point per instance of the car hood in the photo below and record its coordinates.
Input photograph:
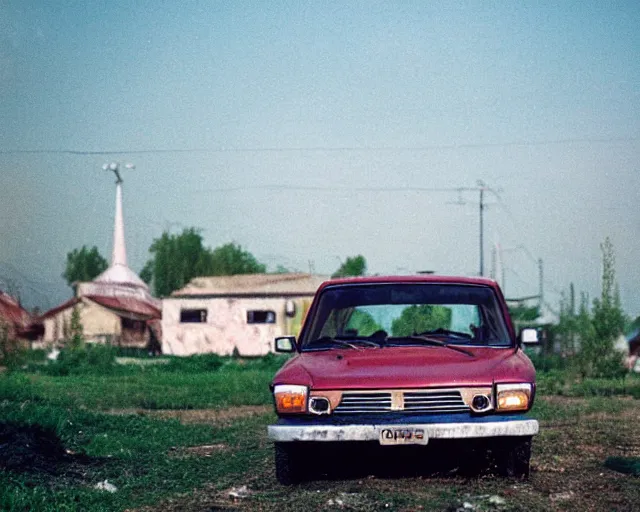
(405, 367)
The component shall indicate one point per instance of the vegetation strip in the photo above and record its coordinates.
(210, 448)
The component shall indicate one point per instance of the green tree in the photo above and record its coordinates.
(231, 259)
(420, 318)
(523, 313)
(84, 264)
(176, 259)
(353, 266)
(146, 274)
(599, 329)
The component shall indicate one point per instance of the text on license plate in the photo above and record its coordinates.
(403, 435)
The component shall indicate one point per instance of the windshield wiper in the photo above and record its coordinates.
(446, 332)
(430, 341)
(342, 342)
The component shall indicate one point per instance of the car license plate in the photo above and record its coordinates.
(403, 435)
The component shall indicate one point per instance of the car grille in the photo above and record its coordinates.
(434, 401)
(364, 402)
(431, 401)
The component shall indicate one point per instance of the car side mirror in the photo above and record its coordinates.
(529, 336)
(286, 344)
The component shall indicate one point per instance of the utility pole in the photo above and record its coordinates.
(503, 280)
(493, 273)
(482, 188)
(540, 274)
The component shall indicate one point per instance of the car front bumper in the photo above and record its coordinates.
(371, 432)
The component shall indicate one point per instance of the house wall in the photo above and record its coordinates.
(226, 326)
(98, 323)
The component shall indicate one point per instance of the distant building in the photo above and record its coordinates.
(16, 321)
(241, 313)
(116, 307)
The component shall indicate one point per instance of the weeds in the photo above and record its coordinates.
(93, 380)
(109, 445)
(82, 360)
(147, 460)
(567, 383)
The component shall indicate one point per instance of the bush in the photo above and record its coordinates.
(201, 363)
(12, 352)
(16, 387)
(554, 382)
(549, 362)
(36, 355)
(138, 353)
(90, 359)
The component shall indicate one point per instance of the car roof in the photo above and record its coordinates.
(412, 279)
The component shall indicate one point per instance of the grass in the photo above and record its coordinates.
(550, 410)
(556, 382)
(180, 384)
(149, 462)
(134, 453)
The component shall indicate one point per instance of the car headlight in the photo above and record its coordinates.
(290, 399)
(513, 397)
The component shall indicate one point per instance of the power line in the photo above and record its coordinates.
(292, 149)
(299, 188)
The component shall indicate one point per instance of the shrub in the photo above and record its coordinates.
(194, 364)
(13, 354)
(139, 353)
(553, 382)
(549, 362)
(91, 359)
(592, 332)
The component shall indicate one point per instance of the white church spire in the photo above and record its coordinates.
(118, 280)
(119, 254)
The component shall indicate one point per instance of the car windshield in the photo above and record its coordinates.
(388, 314)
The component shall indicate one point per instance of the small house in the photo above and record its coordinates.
(116, 307)
(16, 323)
(239, 314)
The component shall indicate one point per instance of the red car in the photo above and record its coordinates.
(402, 361)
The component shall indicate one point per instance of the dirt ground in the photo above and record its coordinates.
(567, 473)
(568, 470)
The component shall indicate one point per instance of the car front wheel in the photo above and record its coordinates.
(288, 463)
(513, 457)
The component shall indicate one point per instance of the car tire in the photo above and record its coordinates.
(288, 466)
(513, 457)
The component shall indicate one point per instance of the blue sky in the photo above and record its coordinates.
(540, 100)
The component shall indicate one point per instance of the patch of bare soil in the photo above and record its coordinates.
(39, 452)
(220, 417)
(205, 450)
(32, 448)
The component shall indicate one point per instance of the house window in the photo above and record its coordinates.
(193, 316)
(134, 325)
(261, 317)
